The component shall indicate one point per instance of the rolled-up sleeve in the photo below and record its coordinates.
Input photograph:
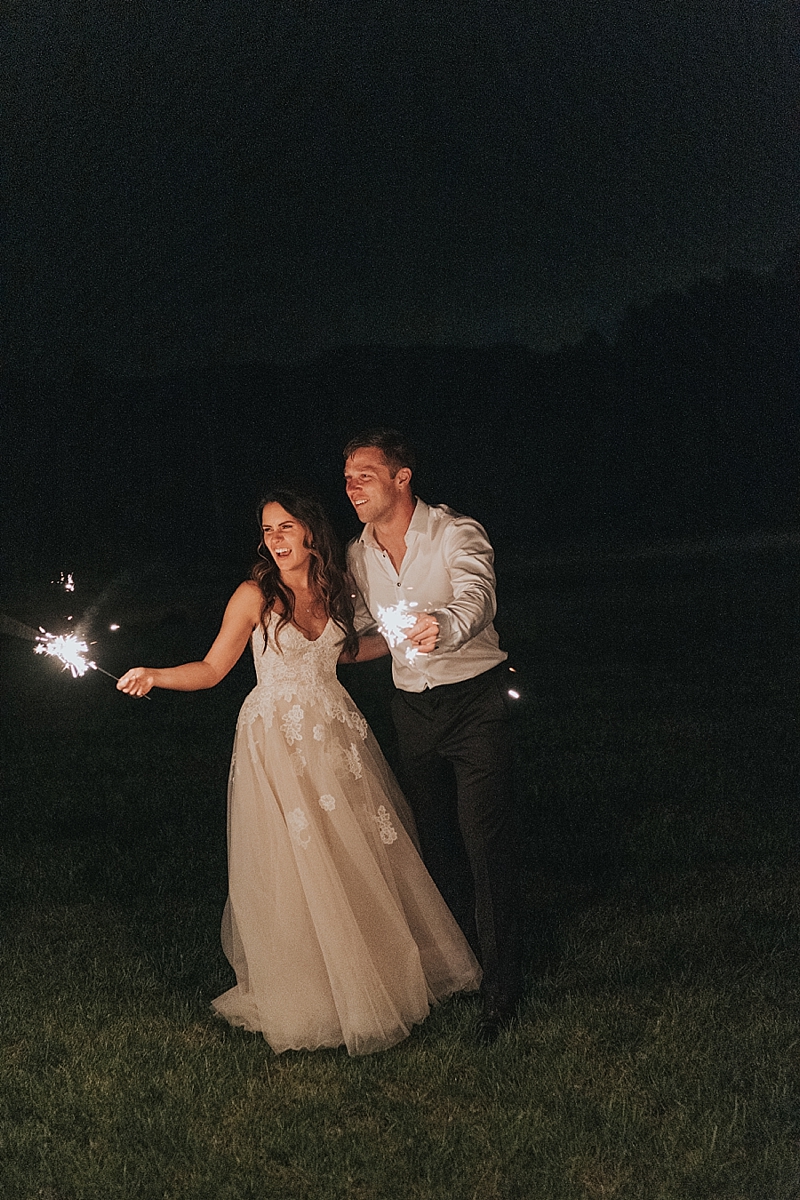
(469, 561)
(363, 619)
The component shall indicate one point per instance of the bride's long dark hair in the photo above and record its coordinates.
(327, 574)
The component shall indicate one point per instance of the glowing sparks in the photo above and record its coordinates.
(68, 649)
(394, 621)
(512, 692)
(71, 650)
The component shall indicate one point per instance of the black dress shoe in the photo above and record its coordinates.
(498, 1014)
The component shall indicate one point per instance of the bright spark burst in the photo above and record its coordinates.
(65, 581)
(68, 649)
(394, 621)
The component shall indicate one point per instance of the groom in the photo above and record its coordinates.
(449, 709)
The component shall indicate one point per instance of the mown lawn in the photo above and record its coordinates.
(658, 1054)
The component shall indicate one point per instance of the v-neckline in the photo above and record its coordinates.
(308, 639)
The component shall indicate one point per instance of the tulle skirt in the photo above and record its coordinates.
(334, 928)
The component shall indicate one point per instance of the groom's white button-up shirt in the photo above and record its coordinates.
(447, 570)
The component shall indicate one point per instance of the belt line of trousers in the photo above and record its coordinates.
(456, 764)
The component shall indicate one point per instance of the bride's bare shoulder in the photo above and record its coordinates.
(248, 588)
(247, 597)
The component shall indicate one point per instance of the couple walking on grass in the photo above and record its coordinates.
(354, 906)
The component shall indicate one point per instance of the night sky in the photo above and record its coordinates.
(234, 182)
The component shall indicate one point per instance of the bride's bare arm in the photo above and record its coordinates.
(241, 617)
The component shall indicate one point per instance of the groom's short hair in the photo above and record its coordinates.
(396, 450)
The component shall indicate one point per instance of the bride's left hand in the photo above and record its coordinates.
(136, 682)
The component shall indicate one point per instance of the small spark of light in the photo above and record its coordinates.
(514, 695)
(68, 649)
(65, 581)
(113, 627)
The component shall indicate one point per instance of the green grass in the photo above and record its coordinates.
(658, 1054)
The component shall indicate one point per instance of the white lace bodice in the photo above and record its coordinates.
(302, 672)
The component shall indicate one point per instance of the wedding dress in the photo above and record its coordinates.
(335, 930)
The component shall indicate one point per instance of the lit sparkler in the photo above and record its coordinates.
(68, 649)
(71, 650)
(394, 620)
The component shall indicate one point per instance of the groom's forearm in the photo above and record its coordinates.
(370, 646)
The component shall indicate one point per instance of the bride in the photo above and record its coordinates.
(335, 931)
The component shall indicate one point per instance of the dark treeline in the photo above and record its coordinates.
(685, 425)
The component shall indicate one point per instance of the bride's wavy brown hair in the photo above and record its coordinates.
(327, 574)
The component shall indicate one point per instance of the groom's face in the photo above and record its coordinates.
(371, 488)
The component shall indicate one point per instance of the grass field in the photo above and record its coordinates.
(658, 1054)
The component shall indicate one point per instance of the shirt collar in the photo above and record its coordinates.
(417, 525)
(419, 521)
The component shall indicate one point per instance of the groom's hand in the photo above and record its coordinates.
(424, 633)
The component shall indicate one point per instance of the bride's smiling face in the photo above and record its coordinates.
(284, 537)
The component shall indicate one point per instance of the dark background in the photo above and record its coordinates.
(685, 427)
(557, 244)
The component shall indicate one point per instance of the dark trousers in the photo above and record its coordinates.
(456, 768)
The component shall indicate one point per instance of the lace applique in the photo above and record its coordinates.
(298, 824)
(327, 802)
(388, 831)
(258, 704)
(302, 673)
(353, 760)
(358, 723)
(291, 725)
(319, 733)
(349, 717)
(298, 761)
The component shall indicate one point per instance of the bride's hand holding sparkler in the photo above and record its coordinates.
(137, 682)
